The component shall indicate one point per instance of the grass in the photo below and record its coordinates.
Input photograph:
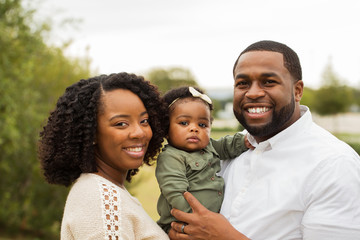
(146, 190)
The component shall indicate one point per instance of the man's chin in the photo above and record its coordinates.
(258, 130)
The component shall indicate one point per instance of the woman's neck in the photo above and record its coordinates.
(113, 175)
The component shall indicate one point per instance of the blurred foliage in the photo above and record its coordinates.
(217, 106)
(174, 77)
(356, 96)
(355, 146)
(334, 96)
(309, 97)
(167, 79)
(32, 76)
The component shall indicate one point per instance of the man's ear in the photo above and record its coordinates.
(298, 90)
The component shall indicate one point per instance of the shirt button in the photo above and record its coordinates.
(220, 193)
(212, 178)
(197, 164)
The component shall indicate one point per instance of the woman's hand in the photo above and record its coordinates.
(202, 224)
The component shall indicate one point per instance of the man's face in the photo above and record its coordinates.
(266, 99)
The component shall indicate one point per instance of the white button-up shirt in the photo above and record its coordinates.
(303, 183)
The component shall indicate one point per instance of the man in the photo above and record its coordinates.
(300, 182)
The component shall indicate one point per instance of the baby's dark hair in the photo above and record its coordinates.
(179, 93)
(291, 59)
(66, 142)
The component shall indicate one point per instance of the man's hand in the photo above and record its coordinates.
(202, 224)
(247, 143)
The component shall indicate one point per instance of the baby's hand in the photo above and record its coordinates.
(247, 143)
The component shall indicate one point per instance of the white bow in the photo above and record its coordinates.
(196, 93)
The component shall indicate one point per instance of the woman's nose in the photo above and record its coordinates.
(137, 131)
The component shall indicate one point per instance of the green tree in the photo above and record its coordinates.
(32, 76)
(167, 79)
(309, 97)
(334, 96)
(356, 94)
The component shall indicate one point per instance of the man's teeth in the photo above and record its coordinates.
(135, 149)
(258, 110)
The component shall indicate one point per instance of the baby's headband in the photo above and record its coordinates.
(195, 93)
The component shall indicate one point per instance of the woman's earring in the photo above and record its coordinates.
(94, 143)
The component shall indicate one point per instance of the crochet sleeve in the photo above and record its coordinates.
(111, 208)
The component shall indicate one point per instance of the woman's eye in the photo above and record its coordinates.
(145, 121)
(121, 124)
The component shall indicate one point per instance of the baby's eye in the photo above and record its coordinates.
(203, 125)
(183, 123)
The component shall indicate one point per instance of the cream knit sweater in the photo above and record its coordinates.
(98, 209)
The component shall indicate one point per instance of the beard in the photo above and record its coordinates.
(277, 123)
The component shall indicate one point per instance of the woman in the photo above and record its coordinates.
(101, 131)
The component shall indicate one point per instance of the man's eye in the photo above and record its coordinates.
(270, 81)
(241, 84)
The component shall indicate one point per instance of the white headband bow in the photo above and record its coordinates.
(198, 94)
(195, 93)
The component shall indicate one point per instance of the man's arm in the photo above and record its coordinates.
(202, 224)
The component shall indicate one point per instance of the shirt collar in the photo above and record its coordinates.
(301, 124)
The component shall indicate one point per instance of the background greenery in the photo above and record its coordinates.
(33, 74)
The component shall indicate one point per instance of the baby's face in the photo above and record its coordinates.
(190, 124)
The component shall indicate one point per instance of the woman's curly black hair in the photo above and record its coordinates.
(66, 142)
(175, 94)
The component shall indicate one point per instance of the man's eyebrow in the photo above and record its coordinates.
(269, 74)
(241, 75)
(245, 76)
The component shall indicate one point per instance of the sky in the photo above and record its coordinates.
(206, 36)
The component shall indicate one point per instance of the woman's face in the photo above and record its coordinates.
(123, 132)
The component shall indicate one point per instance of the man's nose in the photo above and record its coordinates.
(255, 91)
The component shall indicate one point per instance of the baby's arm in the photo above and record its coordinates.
(171, 176)
(229, 147)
